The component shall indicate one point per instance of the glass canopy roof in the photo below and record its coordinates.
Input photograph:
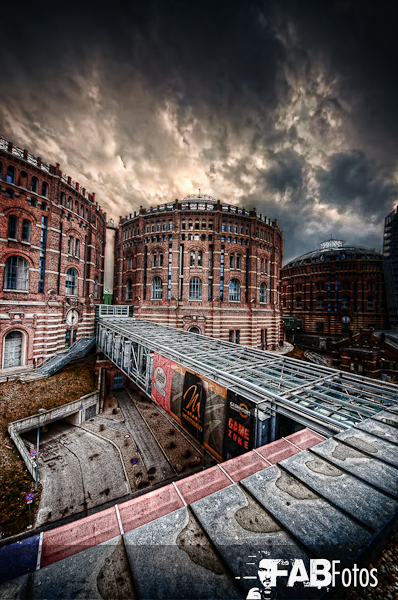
(336, 397)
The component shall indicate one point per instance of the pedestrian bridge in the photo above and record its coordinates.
(243, 398)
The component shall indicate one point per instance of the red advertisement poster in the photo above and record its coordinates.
(162, 376)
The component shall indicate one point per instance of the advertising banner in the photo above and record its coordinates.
(193, 405)
(162, 376)
(213, 399)
(239, 426)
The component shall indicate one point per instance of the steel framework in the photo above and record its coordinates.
(327, 400)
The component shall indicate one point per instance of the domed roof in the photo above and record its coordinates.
(334, 250)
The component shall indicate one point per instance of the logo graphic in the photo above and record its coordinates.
(322, 574)
(160, 381)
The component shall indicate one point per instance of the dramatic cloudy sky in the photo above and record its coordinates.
(289, 106)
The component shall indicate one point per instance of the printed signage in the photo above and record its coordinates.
(193, 405)
(239, 426)
(161, 381)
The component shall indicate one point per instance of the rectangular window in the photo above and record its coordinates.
(169, 272)
(181, 276)
(231, 335)
(13, 227)
(192, 258)
(222, 273)
(43, 247)
(237, 336)
(200, 258)
(232, 261)
(238, 261)
(145, 270)
(154, 258)
(161, 259)
(26, 230)
(263, 339)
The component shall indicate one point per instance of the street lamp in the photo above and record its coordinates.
(41, 410)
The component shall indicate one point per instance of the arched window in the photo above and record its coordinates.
(63, 199)
(26, 228)
(200, 258)
(96, 287)
(13, 227)
(319, 302)
(236, 230)
(195, 289)
(44, 189)
(170, 225)
(192, 258)
(70, 203)
(234, 290)
(190, 225)
(77, 249)
(157, 288)
(197, 224)
(82, 211)
(183, 224)
(71, 287)
(345, 302)
(12, 349)
(34, 184)
(76, 207)
(263, 292)
(10, 175)
(16, 276)
(129, 289)
(203, 224)
(70, 245)
(194, 329)
(164, 227)
(238, 261)
(211, 225)
(232, 261)
(371, 303)
(86, 214)
(298, 302)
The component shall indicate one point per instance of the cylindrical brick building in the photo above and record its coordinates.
(52, 239)
(204, 266)
(334, 290)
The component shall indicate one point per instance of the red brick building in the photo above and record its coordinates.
(369, 353)
(52, 239)
(334, 290)
(201, 265)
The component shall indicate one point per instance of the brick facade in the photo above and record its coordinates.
(335, 290)
(48, 225)
(202, 238)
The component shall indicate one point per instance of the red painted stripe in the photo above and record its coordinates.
(277, 451)
(305, 438)
(149, 507)
(202, 484)
(80, 535)
(242, 466)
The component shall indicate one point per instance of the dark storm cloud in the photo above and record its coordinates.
(287, 173)
(352, 180)
(287, 106)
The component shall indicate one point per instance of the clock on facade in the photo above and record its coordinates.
(72, 317)
(345, 319)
